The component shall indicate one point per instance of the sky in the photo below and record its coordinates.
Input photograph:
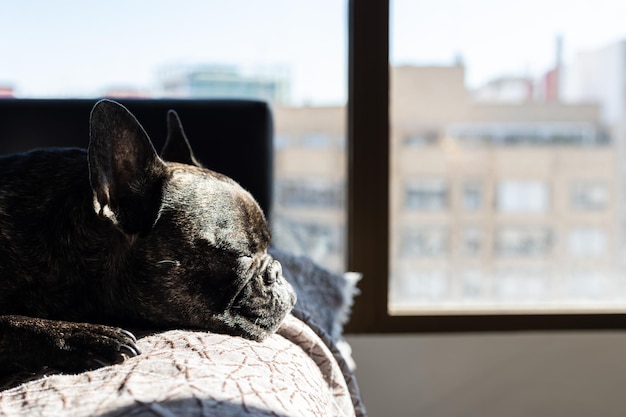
(83, 48)
(80, 46)
(502, 37)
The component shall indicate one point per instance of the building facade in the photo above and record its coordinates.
(224, 81)
(501, 205)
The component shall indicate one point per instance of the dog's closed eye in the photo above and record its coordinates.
(169, 261)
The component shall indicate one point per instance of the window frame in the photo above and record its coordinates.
(368, 126)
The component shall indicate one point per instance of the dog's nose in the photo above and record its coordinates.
(272, 272)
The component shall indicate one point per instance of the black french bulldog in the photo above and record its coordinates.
(116, 236)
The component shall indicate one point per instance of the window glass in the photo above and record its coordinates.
(587, 242)
(522, 196)
(472, 241)
(426, 194)
(290, 54)
(589, 195)
(528, 241)
(425, 242)
(472, 196)
(508, 124)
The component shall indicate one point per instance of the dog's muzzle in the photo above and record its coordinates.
(264, 270)
(270, 270)
(263, 299)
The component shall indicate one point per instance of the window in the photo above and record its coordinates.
(425, 242)
(472, 196)
(521, 286)
(468, 106)
(430, 286)
(472, 241)
(309, 194)
(428, 194)
(587, 242)
(522, 196)
(527, 135)
(589, 284)
(473, 285)
(420, 138)
(589, 195)
(318, 238)
(523, 241)
(196, 49)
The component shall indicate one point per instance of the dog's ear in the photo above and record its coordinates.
(177, 148)
(125, 171)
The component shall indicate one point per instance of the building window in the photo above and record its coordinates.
(472, 196)
(522, 286)
(426, 194)
(421, 138)
(282, 141)
(523, 241)
(425, 242)
(472, 240)
(526, 196)
(472, 285)
(528, 134)
(589, 196)
(587, 242)
(556, 132)
(317, 140)
(315, 239)
(585, 285)
(423, 284)
(310, 194)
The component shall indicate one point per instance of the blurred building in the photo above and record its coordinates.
(492, 203)
(224, 81)
(6, 91)
(506, 197)
(599, 76)
(310, 178)
(506, 90)
(497, 203)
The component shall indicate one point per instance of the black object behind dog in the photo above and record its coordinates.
(121, 237)
(221, 131)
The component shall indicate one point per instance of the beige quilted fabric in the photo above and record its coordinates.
(184, 373)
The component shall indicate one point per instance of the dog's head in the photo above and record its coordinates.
(198, 242)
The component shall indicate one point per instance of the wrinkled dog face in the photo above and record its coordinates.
(200, 240)
(219, 260)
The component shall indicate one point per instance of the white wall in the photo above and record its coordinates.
(488, 375)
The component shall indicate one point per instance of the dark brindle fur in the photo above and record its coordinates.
(116, 236)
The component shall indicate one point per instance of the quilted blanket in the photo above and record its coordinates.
(184, 373)
(299, 371)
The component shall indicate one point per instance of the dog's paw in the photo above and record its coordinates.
(88, 346)
(29, 344)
